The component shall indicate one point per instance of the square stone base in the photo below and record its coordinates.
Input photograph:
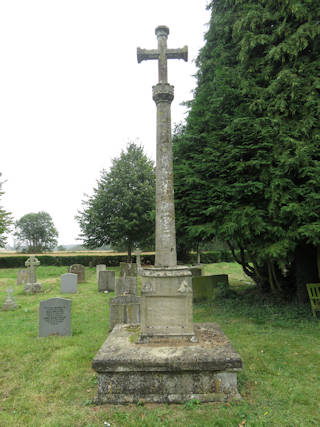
(170, 372)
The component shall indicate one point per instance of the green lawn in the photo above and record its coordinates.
(49, 381)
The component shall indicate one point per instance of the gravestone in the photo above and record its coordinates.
(205, 288)
(79, 270)
(128, 269)
(195, 271)
(126, 285)
(55, 317)
(124, 309)
(69, 283)
(32, 287)
(100, 267)
(106, 281)
(22, 277)
(9, 303)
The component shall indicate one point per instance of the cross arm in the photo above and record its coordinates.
(178, 53)
(145, 54)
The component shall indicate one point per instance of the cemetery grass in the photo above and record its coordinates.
(49, 381)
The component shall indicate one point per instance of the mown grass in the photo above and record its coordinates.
(49, 381)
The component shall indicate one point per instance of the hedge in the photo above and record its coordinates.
(110, 261)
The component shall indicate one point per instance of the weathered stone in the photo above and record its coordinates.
(32, 288)
(9, 303)
(207, 287)
(55, 317)
(106, 281)
(100, 267)
(126, 285)
(22, 277)
(124, 309)
(69, 283)
(166, 303)
(195, 271)
(79, 270)
(172, 372)
(32, 263)
(128, 269)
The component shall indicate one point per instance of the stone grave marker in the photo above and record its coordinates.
(128, 269)
(55, 317)
(100, 267)
(207, 287)
(79, 270)
(106, 281)
(126, 285)
(9, 303)
(195, 271)
(69, 283)
(22, 277)
(32, 287)
(124, 309)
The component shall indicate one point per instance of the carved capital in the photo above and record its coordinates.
(162, 31)
(163, 92)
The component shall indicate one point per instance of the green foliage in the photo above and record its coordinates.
(121, 210)
(5, 221)
(35, 232)
(247, 163)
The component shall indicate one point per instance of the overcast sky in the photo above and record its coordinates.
(72, 93)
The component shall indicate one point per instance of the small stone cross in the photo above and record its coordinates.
(9, 290)
(32, 263)
(162, 53)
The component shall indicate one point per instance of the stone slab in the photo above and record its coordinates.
(80, 270)
(206, 287)
(124, 309)
(69, 283)
(167, 372)
(55, 317)
(107, 280)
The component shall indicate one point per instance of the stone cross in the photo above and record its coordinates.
(9, 290)
(163, 94)
(32, 263)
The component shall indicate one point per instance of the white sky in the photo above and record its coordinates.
(72, 93)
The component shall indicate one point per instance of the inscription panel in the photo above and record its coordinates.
(55, 317)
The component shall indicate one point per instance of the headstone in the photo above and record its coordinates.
(100, 267)
(79, 270)
(32, 263)
(128, 269)
(124, 309)
(207, 287)
(126, 285)
(9, 303)
(32, 287)
(106, 281)
(195, 271)
(69, 283)
(55, 317)
(22, 277)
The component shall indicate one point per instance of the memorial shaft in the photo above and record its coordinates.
(163, 94)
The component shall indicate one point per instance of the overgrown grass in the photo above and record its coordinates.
(49, 381)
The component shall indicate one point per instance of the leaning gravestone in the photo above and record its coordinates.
(32, 287)
(22, 277)
(69, 283)
(9, 303)
(106, 281)
(128, 269)
(80, 271)
(100, 267)
(55, 317)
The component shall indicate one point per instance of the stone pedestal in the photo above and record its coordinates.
(166, 304)
(9, 305)
(171, 372)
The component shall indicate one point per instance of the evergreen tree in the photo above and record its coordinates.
(247, 164)
(121, 209)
